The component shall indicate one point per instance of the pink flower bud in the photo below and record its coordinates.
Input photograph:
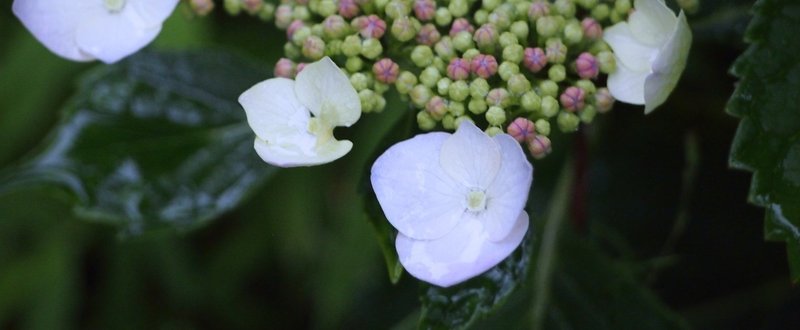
(497, 97)
(428, 35)
(483, 66)
(300, 67)
(386, 71)
(252, 6)
(521, 129)
(436, 107)
(538, 9)
(293, 27)
(587, 66)
(370, 26)
(348, 8)
(486, 36)
(461, 24)
(285, 68)
(534, 59)
(283, 16)
(425, 10)
(539, 146)
(334, 26)
(458, 69)
(603, 100)
(591, 29)
(573, 99)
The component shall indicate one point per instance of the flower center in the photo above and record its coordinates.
(114, 6)
(476, 201)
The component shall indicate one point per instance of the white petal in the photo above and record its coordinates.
(460, 255)
(508, 193)
(652, 22)
(668, 66)
(54, 23)
(416, 195)
(325, 90)
(293, 155)
(629, 51)
(151, 12)
(627, 85)
(111, 37)
(471, 157)
(273, 111)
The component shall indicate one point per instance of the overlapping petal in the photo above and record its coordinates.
(508, 193)
(629, 50)
(327, 93)
(653, 22)
(668, 66)
(471, 157)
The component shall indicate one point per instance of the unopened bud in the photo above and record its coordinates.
(538, 9)
(371, 48)
(354, 64)
(326, 8)
(267, 12)
(463, 41)
(201, 7)
(443, 17)
(500, 18)
(458, 91)
(521, 129)
(556, 51)
(360, 81)
(351, 46)
(587, 86)
(573, 32)
(603, 100)
(518, 84)
(470, 54)
(481, 17)
(549, 106)
(301, 12)
(486, 37)
(490, 4)
(600, 12)
(539, 146)
(568, 121)
(591, 29)
(348, 8)
(460, 119)
(405, 82)
(493, 130)
(444, 48)
(507, 39)
(557, 73)
(385, 71)
(588, 113)
(285, 68)
(573, 99)
(513, 53)
(530, 101)
(234, 7)
(564, 7)
(436, 107)
(607, 62)
(458, 69)
(283, 16)
(548, 87)
(422, 56)
(483, 66)
(622, 6)
(252, 7)
(449, 122)
(498, 97)
(458, 8)
(292, 30)
(404, 29)
(535, 59)
(428, 35)
(456, 108)
(370, 26)
(479, 88)
(543, 127)
(443, 86)
(420, 95)
(520, 29)
(425, 121)
(461, 25)
(425, 10)
(313, 48)
(496, 116)
(587, 66)
(477, 106)
(334, 27)
(546, 26)
(429, 77)
(507, 69)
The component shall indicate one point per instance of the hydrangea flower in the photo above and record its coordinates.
(279, 112)
(85, 30)
(651, 50)
(456, 199)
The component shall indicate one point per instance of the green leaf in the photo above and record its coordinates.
(768, 139)
(158, 140)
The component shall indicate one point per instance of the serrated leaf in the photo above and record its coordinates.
(157, 140)
(768, 139)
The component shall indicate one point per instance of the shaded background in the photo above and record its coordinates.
(300, 253)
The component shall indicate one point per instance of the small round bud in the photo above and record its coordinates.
(368, 100)
(348, 8)
(518, 84)
(556, 51)
(371, 48)
(428, 35)
(462, 119)
(493, 130)
(291, 51)
(546, 26)
(301, 13)
(587, 4)
(549, 106)
(458, 8)
(456, 108)
(537, 10)
(370, 26)
(360, 81)
(201, 7)
(485, 37)
(477, 106)
(543, 127)
(425, 121)
(292, 29)
(461, 25)
(564, 7)
(380, 87)
(535, 59)
(587, 114)
(334, 27)
(483, 66)
(458, 91)
(444, 48)
(429, 77)
(568, 121)
(490, 4)
(470, 54)
(573, 32)
(513, 53)
(603, 100)
(587, 86)
(479, 88)
(327, 8)
(548, 87)
(622, 6)
(267, 12)
(283, 16)
(420, 95)
(587, 66)
(443, 86)
(481, 17)
(386, 71)
(591, 29)
(351, 46)
(234, 7)
(520, 29)
(425, 10)
(449, 122)
(354, 64)
(436, 107)
(404, 29)
(443, 17)
(252, 7)
(458, 69)
(530, 101)
(573, 99)
(521, 129)
(500, 18)
(496, 116)
(396, 9)
(507, 69)
(405, 82)
(606, 62)
(557, 73)
(313, 48)
(539, 146)
(285, 68)
(439, 64)
(463, 41)
(422, 56)
(507, 39)
(498, 97)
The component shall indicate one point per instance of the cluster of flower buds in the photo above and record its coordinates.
(511, 66)
(259, 8)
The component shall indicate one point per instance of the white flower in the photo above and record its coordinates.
(456, 199)
(651, 50)
(84, 30)
(279, 112)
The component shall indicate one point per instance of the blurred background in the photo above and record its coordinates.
(300, 253)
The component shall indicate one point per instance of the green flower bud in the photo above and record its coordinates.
(404, 28)
(299, 36)
(557, 73)
(420, 95)
(317, 30)
(436, 106)
(520, 29)
(500, 19)
(513, 53)
(622, 7)
(458, 8)
(425, 121)
(530, 101)
(493, 130)
(469, 54)
(444, 48)
(555, 51)
(477, 106)
(380, 5)
(615, 17)
(367, 97)
(485, 37)
(439, 64)
(326, 8)
(462, 41)
(396, 9)
(546, 26)
(496, 116)
(587, 86)
(521, 8)
(507, 69)
(479, 88)
(548, 87)
(542, 127)
(573, 32)
(549, 106)
(508, 39)
(351, 46)
(588, 113)
(301, 13)
(429, 77)
(371, 48)
(422, 56)
(498, 97)
(233, 7)
(462, 119)
(600, 12)
(518, 84)
(314, 48)
(443, 17)
(458, 91)
(405, 82)
(360, 81)
(291, 50)
(481, 16)
(568, 122)
(380, 87)
(335, 27)
(564, 7)
(607, 62)
(456, 108)
(333, 48)
(380, 103)
(267, 12)
(354, 64)
(443, 86)
(490, 4)
(449, 122)
(587, 4)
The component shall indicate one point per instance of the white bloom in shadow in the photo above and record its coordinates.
(279, 112)
(651, 49)
(85, 30)
(456, 199)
